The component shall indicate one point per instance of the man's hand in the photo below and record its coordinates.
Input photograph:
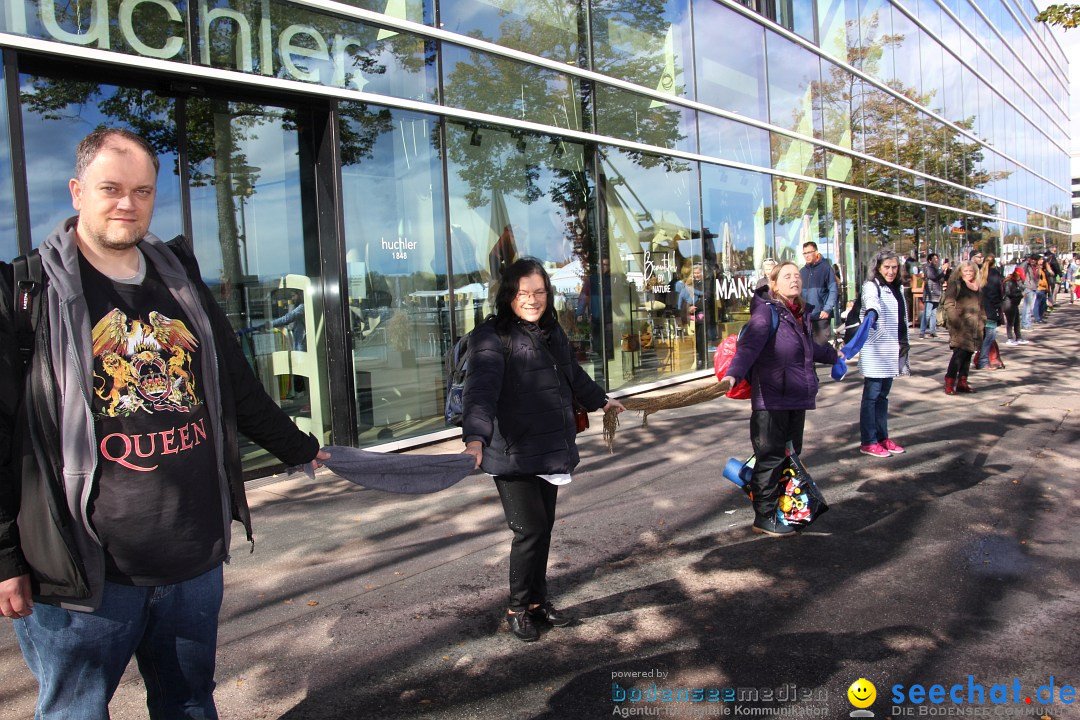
(15, 599)
(321, 455)
(476, 449)
(823, 315)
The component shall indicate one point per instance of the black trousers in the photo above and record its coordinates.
(1011, 308)
(770, 431)
(959, 364)
(529, 504)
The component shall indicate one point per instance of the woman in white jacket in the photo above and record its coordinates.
(879, 359)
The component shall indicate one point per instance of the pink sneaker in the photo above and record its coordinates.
(875, 449)
(892, 447)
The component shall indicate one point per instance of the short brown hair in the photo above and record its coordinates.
(91, 145)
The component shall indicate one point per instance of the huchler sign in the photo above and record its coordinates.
(158, 29)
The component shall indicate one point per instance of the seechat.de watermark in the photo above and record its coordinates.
(978, 699)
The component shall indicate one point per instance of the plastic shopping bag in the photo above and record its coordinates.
(801, 502)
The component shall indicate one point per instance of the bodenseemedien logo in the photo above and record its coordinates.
(861, 694)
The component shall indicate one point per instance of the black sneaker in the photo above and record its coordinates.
(769, 525)
(546, 612)
(521, 625)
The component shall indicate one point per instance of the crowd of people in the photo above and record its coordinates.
(83, 572)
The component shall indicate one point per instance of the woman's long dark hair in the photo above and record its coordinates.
(508, 289)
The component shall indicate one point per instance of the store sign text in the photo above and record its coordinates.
(734, 287)
(297, 44)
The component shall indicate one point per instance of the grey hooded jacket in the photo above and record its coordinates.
(45, 489)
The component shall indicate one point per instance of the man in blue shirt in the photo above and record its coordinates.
(819, 290)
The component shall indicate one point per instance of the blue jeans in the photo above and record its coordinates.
(984, 351)
(929, 318)
(1040, 305)
(874, 410)
(1027, 308)
(78, 658)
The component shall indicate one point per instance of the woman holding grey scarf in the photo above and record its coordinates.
(518, 424)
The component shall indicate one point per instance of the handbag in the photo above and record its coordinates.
(581, 418)
(801, 502)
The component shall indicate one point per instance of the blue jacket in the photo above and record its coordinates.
(783, 368)
(819, 288)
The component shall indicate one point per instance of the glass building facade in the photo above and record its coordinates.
(371, 165)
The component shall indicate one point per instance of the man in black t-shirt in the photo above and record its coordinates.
(116, 507)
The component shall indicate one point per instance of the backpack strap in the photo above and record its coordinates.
(28, 285)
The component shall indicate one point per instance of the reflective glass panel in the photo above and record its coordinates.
(836, 90)
(491, 84)
(735, 204)
(58, 113)
(395, 253)
(907, 72)
(644, 43)
(731, 74)
(638, 118)
(875, 33)
(149, 29)
(269, 37)
(794, 76)
(548, 28)
(513, 195)
(663, 279)
(833, 23)
(733, 140)
(254, 234)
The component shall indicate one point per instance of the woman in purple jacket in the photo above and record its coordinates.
(783, 384)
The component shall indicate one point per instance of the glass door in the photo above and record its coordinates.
(251, 180)
(853, 251)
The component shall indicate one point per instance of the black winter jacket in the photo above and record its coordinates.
(39, 533)
(518, 401)
(993, 294)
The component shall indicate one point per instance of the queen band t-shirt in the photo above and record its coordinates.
(156, 503)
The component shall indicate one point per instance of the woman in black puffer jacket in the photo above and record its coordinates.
(993, 295)
(518, 422)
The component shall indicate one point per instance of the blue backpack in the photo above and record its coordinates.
(457, 369)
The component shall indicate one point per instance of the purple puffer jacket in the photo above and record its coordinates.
(783, 368)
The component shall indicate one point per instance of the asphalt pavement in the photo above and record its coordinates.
(953, 564)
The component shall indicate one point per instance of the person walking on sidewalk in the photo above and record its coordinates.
(518, 423)
(820, 290)
(106, 552)
(1010, 306)
(993, 289)
(1042, 289)
(932, 289)
(879, 358)
(964, 309)
(1072, 279)
(1030, 275)
(783, 384)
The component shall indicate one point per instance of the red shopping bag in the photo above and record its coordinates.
(725, 353)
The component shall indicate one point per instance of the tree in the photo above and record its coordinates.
(1065, 15)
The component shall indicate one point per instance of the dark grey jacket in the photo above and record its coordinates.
(935, 280)
(48, 468)
(519, 402)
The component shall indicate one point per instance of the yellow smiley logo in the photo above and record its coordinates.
(862, 693)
